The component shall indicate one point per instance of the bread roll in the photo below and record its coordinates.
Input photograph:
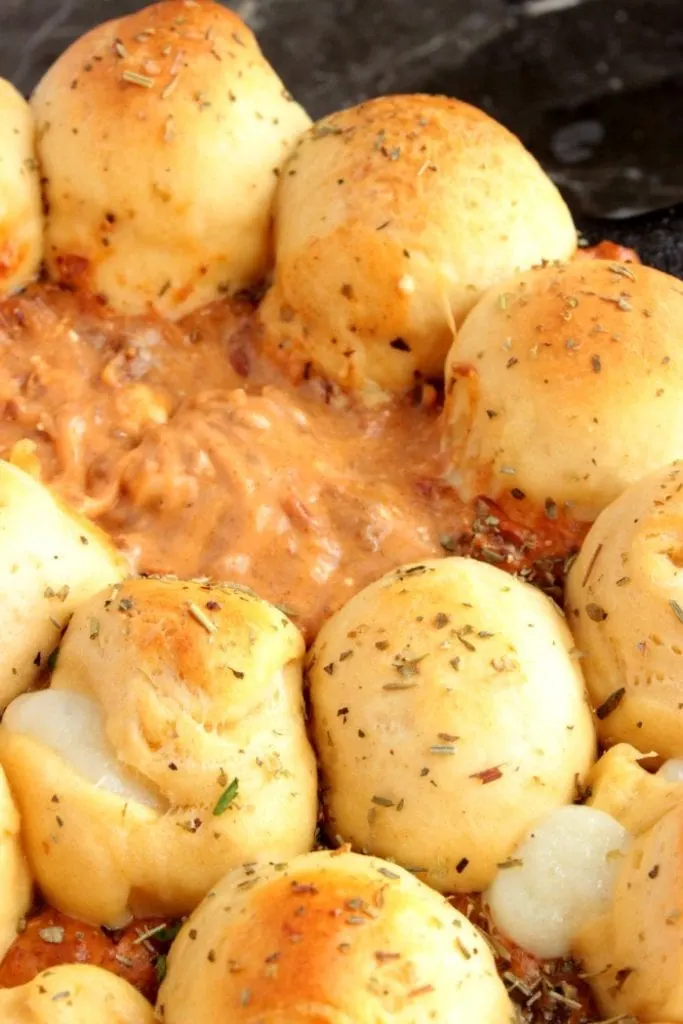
(565, 387)
(16, 889)
(633, 954)
(391, 218)
(50, 561)
(161, 134)
(75, 994)
(624, 600)
(21, 216)
(330, 938)
(622, 787)
(170, 747)
(448, 715)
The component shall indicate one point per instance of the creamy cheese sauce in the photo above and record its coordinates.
(201, 458)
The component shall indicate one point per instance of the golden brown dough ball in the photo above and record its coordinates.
(330, 938)
(16, 889)
(21, 217)
(50, 561)
(624, 600)
(565, 385)
(170, 747)
(161, 134)
(75, 994)
(633, 953)
(391, 218)
(622, 787)
(449, 716)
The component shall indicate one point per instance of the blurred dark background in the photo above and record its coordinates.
(593, 87)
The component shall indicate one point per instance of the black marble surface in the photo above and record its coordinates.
(594, 87)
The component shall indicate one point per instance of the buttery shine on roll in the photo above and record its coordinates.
(448, 715)
(624, 602)
(51, 559)
(75, 994)
(391, 219)
(161, 135)
(620, 785)
(16, 886)
(169, 748)
(565, 386)
(633, 952)
(21, 215)
(330, 938)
